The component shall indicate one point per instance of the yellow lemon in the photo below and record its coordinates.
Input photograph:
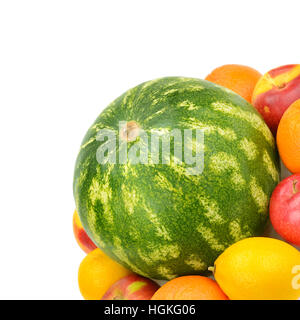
(259, 269)
(97, 272)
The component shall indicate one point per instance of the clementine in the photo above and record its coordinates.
(288, 137)
(238, 78)
(190, 288)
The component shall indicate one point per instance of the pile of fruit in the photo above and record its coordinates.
(190, 205)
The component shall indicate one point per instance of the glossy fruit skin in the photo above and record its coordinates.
(259, 269)
(159, 220)
(83, 240)
(288, 138)
(275, 92)
(97, 273)
(285, 209)
(190, 288)
(238, 78)
(132, 287)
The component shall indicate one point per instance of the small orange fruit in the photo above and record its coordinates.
(288, 137)
(190, 288)
(97, 272)
(238, 78)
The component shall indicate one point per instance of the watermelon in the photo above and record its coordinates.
(156, 216)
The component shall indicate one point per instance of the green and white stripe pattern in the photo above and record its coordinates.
(157, 220)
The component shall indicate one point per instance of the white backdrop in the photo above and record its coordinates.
(61, 63)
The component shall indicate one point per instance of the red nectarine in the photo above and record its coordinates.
(285, 209)
(275, 92)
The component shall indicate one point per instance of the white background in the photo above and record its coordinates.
(61, 63)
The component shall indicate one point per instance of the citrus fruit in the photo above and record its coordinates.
(259, 269)
(190, 288)
(97, 272)
(288, 137)
(238, 78)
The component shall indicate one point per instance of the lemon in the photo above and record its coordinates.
(259, 269)
(97, 273)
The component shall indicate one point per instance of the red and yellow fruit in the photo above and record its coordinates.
(288, 137)
(132, 287)
(275, 92)
(97, 273)
(190, 288)
(83, 240)
(285, 209)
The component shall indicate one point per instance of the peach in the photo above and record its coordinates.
(83, 240)
(275, 92)
(132, 287)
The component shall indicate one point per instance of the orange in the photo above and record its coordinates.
(288, 137)
(190, 288)
(97, 272)
(238, 78)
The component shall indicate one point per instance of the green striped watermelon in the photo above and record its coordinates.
(157, 219)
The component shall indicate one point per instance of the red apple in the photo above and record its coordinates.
(132, 287)
(275, 92)
(83, 240)
(285, 209)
